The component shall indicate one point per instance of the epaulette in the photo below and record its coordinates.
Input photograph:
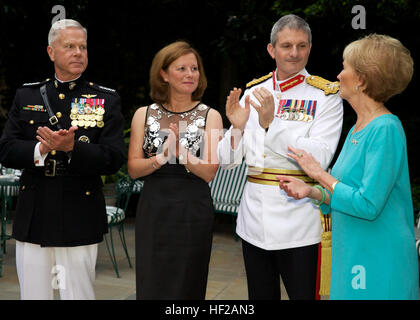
(102, 88)
(35, 84)
(323, 84)
(259, 80)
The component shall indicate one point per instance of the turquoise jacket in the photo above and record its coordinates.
(373, 242)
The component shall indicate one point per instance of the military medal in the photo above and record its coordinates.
(312, 111)
(100, 111)
(301, 116)
(87, 112)
(289, 109)
(35, 108)
(301, 110)
(285, 115)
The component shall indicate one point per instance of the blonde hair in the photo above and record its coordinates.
(384, 65)
(159, 89)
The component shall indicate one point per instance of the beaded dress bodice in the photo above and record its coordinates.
(191, 125)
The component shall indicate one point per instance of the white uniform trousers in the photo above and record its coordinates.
(69, 269)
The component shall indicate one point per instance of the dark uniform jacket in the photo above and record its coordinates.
(68, 208)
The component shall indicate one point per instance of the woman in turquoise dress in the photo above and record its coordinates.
(368, 192)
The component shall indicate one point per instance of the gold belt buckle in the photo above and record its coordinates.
(50, 166)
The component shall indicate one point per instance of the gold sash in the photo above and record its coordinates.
(267, 176)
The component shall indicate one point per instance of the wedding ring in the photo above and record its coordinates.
(300, 155)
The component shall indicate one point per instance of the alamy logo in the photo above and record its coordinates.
(359, 20)
(59, 279)
(359, 280)
(60, 13)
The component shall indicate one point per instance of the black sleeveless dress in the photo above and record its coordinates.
(175, 216)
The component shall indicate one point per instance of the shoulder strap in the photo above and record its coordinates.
(207, 113)
(259, 80)
(327, 86)
(53, 119)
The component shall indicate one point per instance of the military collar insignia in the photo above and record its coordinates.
(71, 84)
(288, 84)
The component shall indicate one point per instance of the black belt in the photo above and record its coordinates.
(53, 168)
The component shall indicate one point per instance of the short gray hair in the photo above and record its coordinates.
(60, 25)
(290, 21)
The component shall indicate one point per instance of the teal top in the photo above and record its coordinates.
(373, 242)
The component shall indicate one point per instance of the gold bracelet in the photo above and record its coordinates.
(333, 185)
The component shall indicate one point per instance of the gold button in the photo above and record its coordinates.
(23, 188)
(264, 155)
(58, 114)
(61, 96)
(91, 83)
(31, 121)
(53, 152)
(88, 193)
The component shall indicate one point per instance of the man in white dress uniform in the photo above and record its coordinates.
(286, 108)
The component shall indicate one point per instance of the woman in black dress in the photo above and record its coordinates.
(171, 145)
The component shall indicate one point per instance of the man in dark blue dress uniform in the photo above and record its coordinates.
(65, 133)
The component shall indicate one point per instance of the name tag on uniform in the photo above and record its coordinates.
(38, 108)
(296, 110)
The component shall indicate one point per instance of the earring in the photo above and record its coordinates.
(356, 87)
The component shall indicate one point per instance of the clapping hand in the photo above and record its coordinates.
(266, 108)
(237, 115)
(62, 140)
(170, 147)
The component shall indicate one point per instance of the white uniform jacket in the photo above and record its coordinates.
(267, 217)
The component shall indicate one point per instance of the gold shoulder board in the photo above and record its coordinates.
(259, 80)
(323, 84)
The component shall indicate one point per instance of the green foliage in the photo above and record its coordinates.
(231, 37)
